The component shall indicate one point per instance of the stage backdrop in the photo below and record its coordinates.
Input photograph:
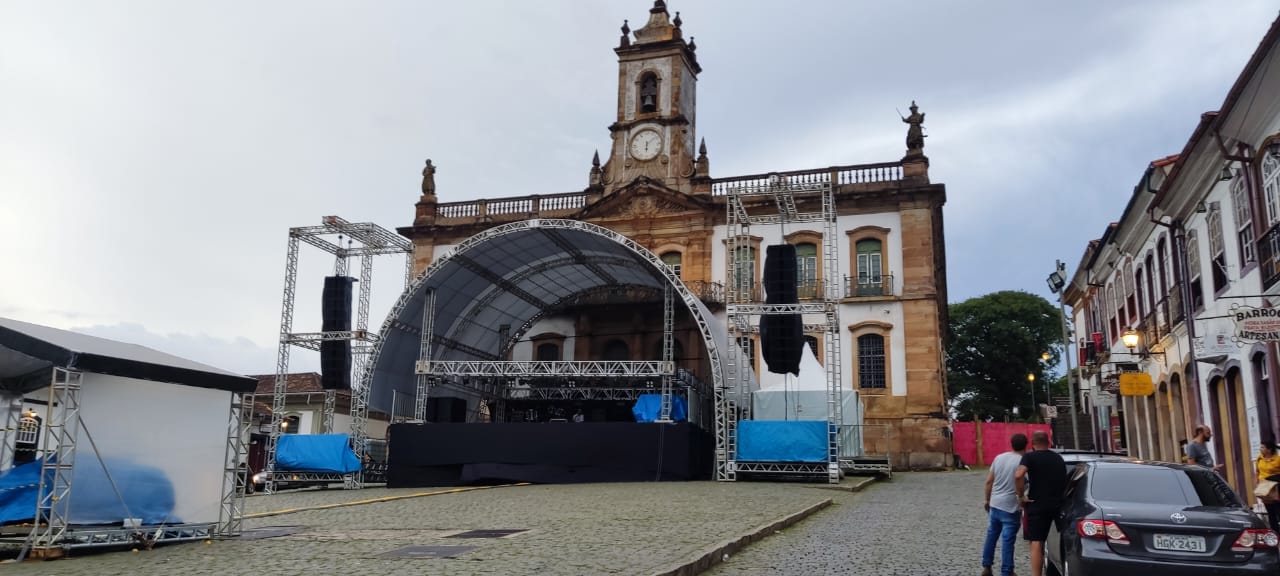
(154, 433)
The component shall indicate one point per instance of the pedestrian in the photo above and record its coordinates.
(1042, 500)
(1268, 468)
(1003, 508)
(1198, 449)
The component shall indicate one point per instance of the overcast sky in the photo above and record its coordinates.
(154, 154)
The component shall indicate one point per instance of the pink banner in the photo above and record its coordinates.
(978, 443)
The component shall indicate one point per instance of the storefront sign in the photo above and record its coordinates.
(1259, 324)
(1218, 344)
(1136, 384)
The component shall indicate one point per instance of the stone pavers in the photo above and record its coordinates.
(572, 530)
(918, 524)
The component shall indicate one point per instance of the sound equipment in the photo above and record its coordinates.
(335, 355)
(780, 274)
(781, 335)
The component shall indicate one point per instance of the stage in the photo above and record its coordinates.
(454, 454)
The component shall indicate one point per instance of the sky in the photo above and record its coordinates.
(154, 154)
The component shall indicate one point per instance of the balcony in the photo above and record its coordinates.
(868, 286)
(1269, 257)
(805, 290)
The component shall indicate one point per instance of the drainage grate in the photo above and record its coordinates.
(427, 552)
(496, 533)
(269, 532)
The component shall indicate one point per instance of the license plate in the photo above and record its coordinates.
(1179, 543)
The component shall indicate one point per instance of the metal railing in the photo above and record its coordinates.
(541, 205)
(839, 175)
(866, 286)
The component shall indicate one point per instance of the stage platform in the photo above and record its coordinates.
(454, 454)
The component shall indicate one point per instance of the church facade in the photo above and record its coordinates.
(655, 185)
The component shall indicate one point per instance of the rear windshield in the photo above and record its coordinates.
(1159, 485)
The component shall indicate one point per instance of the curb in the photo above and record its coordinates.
(711, 556)
(854, 486)
(374, 500)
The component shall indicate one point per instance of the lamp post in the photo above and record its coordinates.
(1057, 283)
(1031, 383)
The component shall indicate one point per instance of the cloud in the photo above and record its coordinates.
(238, 355)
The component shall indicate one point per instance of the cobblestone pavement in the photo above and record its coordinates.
(918, 524)
(571, 530)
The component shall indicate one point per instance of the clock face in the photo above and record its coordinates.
(646, 144)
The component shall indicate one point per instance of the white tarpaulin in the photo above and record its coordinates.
(804, 397)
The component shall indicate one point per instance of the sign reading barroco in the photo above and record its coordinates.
(1258, 324)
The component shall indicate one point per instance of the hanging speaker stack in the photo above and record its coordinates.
(781, 335)
(335, 355)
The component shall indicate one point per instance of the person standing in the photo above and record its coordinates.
(1003, 507)
(1198, 449)
(1042, 500)
(1268, 468)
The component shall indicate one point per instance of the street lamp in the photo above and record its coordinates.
(1057, 282)
(1031, 383)
(1046, 356)
(1130, 339)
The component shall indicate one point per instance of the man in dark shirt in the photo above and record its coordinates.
(1040, 504)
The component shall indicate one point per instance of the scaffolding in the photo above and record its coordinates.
(365, 240)
(776, 202)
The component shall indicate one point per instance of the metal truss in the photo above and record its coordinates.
(569, 369)
(733, 401)
(308, 477)
(668, 322)
(421, 371)
(364, 240)
(571, 393)
(62, 429)
(235, 479)
(101, 537)
(638, 253)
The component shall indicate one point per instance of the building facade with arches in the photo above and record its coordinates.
(654, 185)
(1189, 275)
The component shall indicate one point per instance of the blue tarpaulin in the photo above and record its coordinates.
(316, 453)
(782, 440)
(148, 493)
(649, 406)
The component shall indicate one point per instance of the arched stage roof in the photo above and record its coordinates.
(511, 275)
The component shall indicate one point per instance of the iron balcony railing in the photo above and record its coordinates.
(1269, 257)
(805, 290)
(866, 286)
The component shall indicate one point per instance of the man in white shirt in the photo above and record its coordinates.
(1003, 508)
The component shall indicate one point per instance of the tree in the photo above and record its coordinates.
(994, 342)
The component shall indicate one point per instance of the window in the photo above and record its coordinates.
(1193, 270)
(616, 350)
(1128, 281)
(1151, 289)
(812, 341)
(1115, 308)
(291, 424)
(1244, 219)
(1137, 484)
(1142, 303)
(548, 352)
(673, 259)
(1217, 251)
(1271, 187)
(744, 277)
(870, 267)
(807, 270)
(1162, 256)
(648, 93)
(871, 372)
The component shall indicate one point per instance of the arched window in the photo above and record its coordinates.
(1244, 218)
(673, 259)
(871, 372)
(870, 267)
(1271, 187)
(548, 352)
(812, 341)
(616, 350)
(1194, 271)
(648, 93)
(807, 270)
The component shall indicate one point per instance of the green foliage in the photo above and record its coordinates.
(994, 341)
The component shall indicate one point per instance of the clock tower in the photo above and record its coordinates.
(653, 136)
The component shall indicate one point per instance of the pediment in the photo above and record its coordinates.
(644, 198)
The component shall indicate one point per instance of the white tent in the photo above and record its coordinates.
(804, 397)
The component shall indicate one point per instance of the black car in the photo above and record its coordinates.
(1133, 517)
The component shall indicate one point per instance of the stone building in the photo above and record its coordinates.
(655, 185)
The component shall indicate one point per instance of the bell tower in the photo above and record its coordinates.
(653, 135)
